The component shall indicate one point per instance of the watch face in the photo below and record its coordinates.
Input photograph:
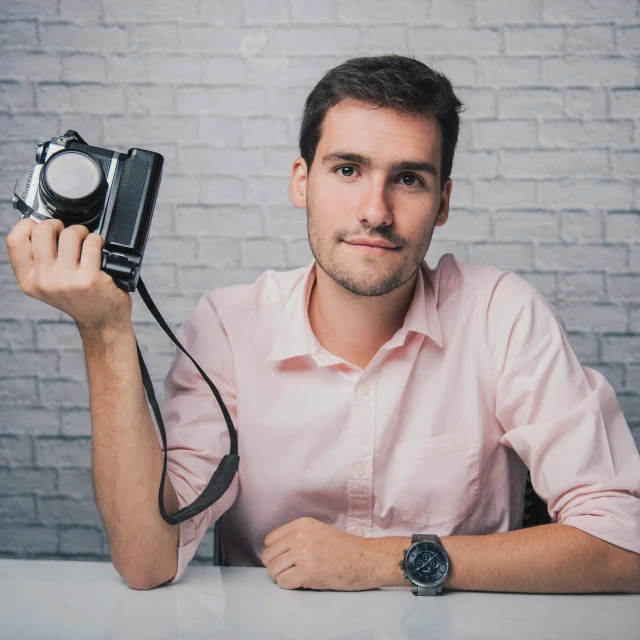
(426, 564)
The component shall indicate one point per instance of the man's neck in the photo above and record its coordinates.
(354, 327)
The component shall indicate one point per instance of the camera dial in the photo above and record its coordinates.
(72, 187)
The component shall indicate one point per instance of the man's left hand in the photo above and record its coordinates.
(314, 555)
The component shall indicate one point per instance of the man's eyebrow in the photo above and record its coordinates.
(365, 161)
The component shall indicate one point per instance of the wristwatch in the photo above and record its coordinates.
(425, 564)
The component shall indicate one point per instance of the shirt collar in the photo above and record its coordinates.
(295, 337)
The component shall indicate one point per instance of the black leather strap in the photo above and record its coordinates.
(228, 466)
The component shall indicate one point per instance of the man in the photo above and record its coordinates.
(375, 398)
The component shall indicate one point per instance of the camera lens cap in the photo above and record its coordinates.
(72, 186)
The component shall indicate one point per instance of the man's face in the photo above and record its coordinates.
(375, 175)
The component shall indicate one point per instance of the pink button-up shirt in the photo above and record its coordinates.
(431, 437)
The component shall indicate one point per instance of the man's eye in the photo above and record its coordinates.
(346, 168)
(409, 180)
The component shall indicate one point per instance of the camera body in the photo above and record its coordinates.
(111, 193)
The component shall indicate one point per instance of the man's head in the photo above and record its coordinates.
(377, 141)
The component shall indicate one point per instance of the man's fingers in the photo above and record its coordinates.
(19, 248)
(44, 241)
(91, 256)
(70, 245)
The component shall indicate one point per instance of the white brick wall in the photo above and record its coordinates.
(546, 181)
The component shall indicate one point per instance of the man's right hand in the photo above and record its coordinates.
(62, 267)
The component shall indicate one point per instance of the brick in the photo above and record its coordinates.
(180, 189)
(625, 103)
(17, 391)
(97, 99)
(502, 71)
(592, 316)
(225, 220)
(75, 482)
(520, 225)
(150, 99)
(176, 250)
(266, 12)
(145, 130)
(317, 12)
(477, 164)
(231, 101)
(299, 253)
(371, 11)
(624, 287)
(586, 102)
(559, 257)
(306, 40)
(201, 279)
(590, 39)
(154, 67)
(628, 39)
(589, 70)
(40, 8)
(508, 11)
(504, 193)
(18, 34)
(67, 452)
(588, 286)
(530, 103)
(58, 510)
(545, 283)
(513, 256)
(16, 335)
(437, 40)
(28, 420)
(585, 11)
(268, 189)
(141, 11)
(593, 133)
(264, 132)
(156, 36)
(230, 41)
(633, 377)
(622, 226)
(605, 194)
(27, 539)
(625, 163)
(221, 12)
(283, 222)
(630, 405)
(480, 102)
(84, 68)
(20, 508)
(58, 335)
(394, 36)
(579, 226)
(494, 134)
(542, 41)
(461, 225)
(614, 373)
(81, 9)
(279, 161)
(16, 65)
(72, 366)
(220, 131)
(76, 37)
(260, 252)
(218, 253)
(25, 480)
(224, 70)
(16, 96)
(549, 164)
(222, 190)
(76, 540)
(64, 392)
(621, 348)
(77, 422)
(453, 13)
(16, 451)
(207, 160)
(585, 345)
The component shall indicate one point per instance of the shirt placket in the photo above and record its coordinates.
(361, 446)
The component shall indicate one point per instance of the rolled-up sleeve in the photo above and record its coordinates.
(197, 434)
(561, 418)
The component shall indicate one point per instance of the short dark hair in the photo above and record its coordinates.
(400, 82)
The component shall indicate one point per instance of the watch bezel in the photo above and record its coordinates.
(435, 546)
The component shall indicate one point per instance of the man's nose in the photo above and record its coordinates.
(375, 207)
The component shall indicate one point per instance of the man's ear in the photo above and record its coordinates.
(445, 197)
(298, 183)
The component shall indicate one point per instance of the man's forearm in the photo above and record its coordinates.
(127, 461)
(553, 558)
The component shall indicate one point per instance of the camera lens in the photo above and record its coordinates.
(72, 187)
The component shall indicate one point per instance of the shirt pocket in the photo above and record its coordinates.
(438, 478)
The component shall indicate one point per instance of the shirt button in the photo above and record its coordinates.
(359, 530)
(364, 390)
(360, 469)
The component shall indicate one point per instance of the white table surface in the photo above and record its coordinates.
(67, 599)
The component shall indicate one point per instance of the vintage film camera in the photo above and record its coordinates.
(111, 193)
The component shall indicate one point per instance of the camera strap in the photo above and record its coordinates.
(228, 466)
